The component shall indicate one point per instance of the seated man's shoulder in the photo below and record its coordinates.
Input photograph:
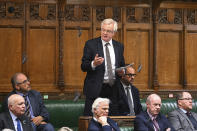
(34, 92)
(142, 115)
(174, 112)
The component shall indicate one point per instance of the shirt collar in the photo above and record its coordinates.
(152, 117)
(21, 94)
(95, 118)
(110, 42)
(184, 111)
(12, 115)
(125, 86)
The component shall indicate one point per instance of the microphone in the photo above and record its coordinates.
(139, 68)
(77, 96)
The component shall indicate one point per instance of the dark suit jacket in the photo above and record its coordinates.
(36, 101)
(180, 121)
(122, 101)
(95, 126)
(94, 78)
(143, 122)
(7, 122)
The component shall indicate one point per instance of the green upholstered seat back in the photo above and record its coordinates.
(168, 105)
(64, 112)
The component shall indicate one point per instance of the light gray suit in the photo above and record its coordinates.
(180, 121)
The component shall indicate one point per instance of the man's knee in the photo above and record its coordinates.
(47, 127)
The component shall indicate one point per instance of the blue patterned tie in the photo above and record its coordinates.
(27, 111)
(18, 125)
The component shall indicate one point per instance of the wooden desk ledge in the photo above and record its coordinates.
(121, 120)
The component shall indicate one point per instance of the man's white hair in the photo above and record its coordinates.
(7, 129)
(110, 21)
(65, 129)
(13, 98)
(97, 102)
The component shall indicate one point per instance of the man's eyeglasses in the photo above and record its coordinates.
(24, 82)
(108, 31)
(186, 99)
(130, 75)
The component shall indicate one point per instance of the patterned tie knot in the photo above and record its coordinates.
(107, 44)
(188, 113)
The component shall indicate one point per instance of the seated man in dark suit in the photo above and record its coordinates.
(152, 119)
(100, 120)
(128, 100)
(15, 119)
(182, 119)
(35, 108)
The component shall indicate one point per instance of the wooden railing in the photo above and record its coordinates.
(121, 120)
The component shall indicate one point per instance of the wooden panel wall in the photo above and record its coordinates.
(45, 40)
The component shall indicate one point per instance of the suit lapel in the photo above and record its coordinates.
(24, 123)
(10, 121)
(150, 122)
(100, 47)
(123, 92)
(100, 50)
(160, 122)
(112, 125)
(115, 52)
(185, 116)
(133, 96)
(194, 115)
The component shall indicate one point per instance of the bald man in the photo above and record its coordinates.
(152, 119)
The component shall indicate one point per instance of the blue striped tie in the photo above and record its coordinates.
(27, 111)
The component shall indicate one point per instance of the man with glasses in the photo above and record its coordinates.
(35, 108)
(128, 100)
(182, 119)
(101, 57)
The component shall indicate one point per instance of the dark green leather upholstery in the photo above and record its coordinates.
(64, 112)
(167, 105)
(67, 112)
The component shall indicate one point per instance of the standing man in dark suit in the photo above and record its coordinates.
(100, 120)
(128, 100)
(15, 119)
(100, 58)
(152, 119)
(35, 108)
(182, 119)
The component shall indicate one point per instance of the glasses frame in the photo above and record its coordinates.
(24, 82)
(131, 75)
(107, 31)
(186, 99)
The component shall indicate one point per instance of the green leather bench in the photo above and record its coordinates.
(67, 112)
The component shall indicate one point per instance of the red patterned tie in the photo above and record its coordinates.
(155, 124)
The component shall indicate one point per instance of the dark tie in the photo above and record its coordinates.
(18, 124)
(156, 124)
(27, 111)
(192, 119)
(109, 65)
(131, 106)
